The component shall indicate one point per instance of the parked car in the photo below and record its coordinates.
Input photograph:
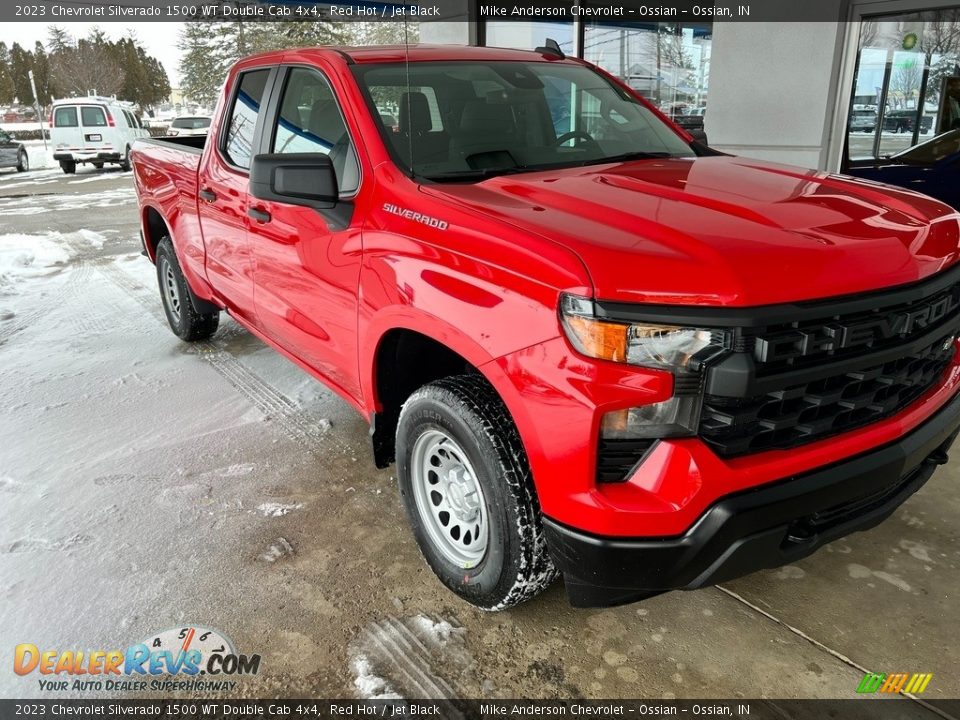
(95, 130)
(862, 121)
(189, 126)
(931, 167)
(13, 154)
(902, 121)
(599, 350)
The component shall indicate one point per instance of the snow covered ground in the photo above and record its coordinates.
(146, 484)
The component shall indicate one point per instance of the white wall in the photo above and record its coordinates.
(773, 90)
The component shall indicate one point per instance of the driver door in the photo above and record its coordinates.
(307, 263)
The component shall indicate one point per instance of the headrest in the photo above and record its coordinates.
(414, 113)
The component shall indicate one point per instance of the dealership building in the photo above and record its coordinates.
(864, 80)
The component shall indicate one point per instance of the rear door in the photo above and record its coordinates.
(97, 133)
(307, 262)
(223, 181)
(8, 150)
(66, 132)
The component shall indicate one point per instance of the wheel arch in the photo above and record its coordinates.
(403, 355)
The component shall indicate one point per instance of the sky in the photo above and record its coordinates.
(158, 38)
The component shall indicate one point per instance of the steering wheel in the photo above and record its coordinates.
(573, 134)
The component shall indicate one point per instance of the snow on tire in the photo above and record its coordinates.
(474, 459)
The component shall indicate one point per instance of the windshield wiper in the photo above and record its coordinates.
(632, 155)
(480, 174)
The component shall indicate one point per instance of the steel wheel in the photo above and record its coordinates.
(449, 499)
(171, 290)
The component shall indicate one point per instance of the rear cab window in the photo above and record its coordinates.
(244, 111)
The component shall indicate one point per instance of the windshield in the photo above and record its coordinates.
(468, 120)
(931, 151)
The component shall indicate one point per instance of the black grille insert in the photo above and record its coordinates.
(616, 458)
(801, 413)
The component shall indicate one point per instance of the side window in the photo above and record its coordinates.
(128, 116)
(310, 122)
(65, 117)
(92, 116)
(243, 117)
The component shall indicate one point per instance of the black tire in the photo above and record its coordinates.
(515, 565)
(98, 165)
(125, 161)
(186, 323)
(68, 166)
(23, 162)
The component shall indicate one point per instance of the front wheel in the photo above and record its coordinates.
(468, 493)
(23, 162)
(186, 323)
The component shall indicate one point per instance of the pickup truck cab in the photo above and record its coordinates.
(592, 346)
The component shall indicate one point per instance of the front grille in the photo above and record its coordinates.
(616, 458)
(800, 413)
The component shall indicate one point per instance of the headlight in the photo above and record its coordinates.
(664, 347)
(675, 348)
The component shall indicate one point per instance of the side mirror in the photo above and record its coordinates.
(296, 179)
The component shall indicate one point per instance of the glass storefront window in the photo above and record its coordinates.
(667, 63)
(907, 86)
(525, 35)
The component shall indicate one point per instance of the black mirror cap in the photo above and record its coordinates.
(296, 179)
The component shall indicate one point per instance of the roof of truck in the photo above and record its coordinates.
(419, 53)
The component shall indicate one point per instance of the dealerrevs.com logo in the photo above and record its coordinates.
(172, 660)
(914, 683)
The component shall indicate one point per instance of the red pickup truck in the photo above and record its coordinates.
(592, 346)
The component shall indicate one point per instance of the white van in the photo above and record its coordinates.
(95, 130)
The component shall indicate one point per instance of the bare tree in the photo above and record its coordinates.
(88, 66)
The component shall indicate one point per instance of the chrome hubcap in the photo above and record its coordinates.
(171, 290)
(449, 499)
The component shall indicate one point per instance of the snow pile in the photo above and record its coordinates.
(277, 509)
(90, 237)
(369, 685)
(439, 632)
(24, 257)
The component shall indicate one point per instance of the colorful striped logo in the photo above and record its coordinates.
(914, 683)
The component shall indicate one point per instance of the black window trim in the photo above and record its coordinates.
(273, 113)
(269, 88)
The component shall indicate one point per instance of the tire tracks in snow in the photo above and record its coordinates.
(21, 321)
(275, 405)
(395, 656)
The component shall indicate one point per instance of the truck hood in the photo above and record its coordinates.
(723, 230)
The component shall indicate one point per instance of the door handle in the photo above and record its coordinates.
(207, 194)
(261, 216)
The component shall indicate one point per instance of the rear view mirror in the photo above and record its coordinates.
(296, 179)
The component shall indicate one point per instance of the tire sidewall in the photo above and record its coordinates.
(23, 162)
(166, 255)
(488, 582)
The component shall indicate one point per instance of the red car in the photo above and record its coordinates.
(592, 346)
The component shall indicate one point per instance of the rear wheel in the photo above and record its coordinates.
(68, 166)
(23, 162)
(468, 493)
(125, 161)
(186, 323)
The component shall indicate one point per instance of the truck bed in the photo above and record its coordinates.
(190, 143)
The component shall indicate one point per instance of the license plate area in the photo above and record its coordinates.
(94, 137)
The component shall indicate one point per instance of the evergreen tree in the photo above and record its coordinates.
(41, 75)
(7, 91)
(58, 39)
(21, 62)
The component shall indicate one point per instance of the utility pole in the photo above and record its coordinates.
(36, 106)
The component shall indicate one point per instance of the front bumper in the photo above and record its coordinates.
(760, 528)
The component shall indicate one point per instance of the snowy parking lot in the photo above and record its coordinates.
(147, 484)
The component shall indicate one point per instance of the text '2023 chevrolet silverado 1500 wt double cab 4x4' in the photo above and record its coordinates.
(592, 346)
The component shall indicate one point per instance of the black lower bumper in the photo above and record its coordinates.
(765, 527)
